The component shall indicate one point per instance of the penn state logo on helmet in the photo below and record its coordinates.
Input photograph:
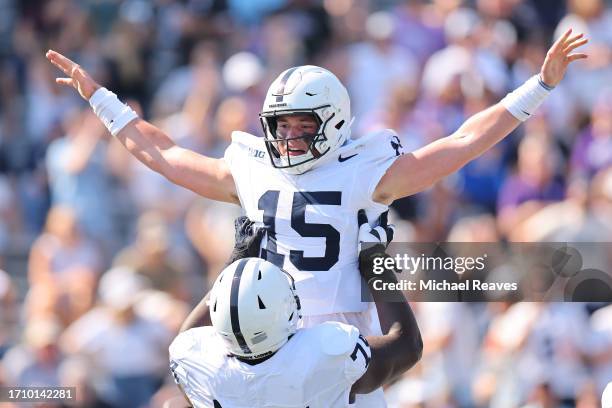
(254, 307)
(304, 90)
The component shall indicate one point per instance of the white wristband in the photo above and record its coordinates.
(112, 112)
(524, 100)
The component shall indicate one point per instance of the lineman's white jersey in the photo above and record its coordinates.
(314, 369)
(312, 217)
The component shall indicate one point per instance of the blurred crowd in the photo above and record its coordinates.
(101, 259)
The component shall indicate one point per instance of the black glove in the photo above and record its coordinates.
(248, 239)
(372, 244)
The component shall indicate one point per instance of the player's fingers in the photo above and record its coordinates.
(390, 232)
(260, 232)
(572, 39)
(77, 73)
(384, 219)
(361, 218)
(565, 36)
(380, 233)
(65, 81)
(61, 59)
(63, 63)
(60, 66)
(575, 57)
(575, 45)
(560, 43)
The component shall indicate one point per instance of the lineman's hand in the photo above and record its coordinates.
(559, 57)
(78, 77)
(247, 239)
(379, 235)
(372, 243)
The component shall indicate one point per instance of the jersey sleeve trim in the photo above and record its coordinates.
(358, 360)
(391, 150)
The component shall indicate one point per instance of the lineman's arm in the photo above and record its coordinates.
(396, 351)
(401, 346)
(205, 176)
(419, 170)
(199, 316)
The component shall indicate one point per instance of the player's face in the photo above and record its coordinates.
(293, 128)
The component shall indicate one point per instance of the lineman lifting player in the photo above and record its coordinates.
(306, 179)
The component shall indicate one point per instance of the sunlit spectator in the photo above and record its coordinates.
(65, 265)
(36, 361)
(126, 349)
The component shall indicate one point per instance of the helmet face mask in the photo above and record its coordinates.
(282, 154)
(305, 90)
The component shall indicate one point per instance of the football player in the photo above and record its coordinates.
(306, 178)
(606, 396)
(254, 355)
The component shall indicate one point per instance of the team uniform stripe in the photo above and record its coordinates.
(375, 233)
(382, 234)
(281, 85)
(234, 306)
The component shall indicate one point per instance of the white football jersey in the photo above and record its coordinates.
(314, 369)
(312, 217)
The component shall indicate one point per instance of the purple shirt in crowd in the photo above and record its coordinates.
(516, 191)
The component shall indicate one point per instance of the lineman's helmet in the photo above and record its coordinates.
(254, 307)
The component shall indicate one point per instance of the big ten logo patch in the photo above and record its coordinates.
(259, 154)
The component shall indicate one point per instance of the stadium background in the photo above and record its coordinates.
(104, 258)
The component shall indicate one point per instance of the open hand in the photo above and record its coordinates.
(559, 57)
(78, 77)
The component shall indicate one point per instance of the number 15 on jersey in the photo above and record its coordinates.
(268, 202)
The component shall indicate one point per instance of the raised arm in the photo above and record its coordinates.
(419, 170)
(401, 346)
(203, 175)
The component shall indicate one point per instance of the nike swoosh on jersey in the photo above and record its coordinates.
(342, 159)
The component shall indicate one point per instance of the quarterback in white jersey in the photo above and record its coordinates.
(310, 217)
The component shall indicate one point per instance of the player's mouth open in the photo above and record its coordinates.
(293, 148)
(296, 152)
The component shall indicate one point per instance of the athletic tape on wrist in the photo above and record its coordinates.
(112, 112)
(524, 100)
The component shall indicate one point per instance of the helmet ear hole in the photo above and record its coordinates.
(339, 124)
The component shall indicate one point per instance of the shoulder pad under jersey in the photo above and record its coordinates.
(189, 340)
(245, 146)
(378, 145)
(336, 338)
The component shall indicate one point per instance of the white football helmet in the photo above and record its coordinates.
(254, 307)
(306, 89)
